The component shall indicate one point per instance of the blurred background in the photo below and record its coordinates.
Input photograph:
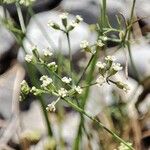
(127, 114)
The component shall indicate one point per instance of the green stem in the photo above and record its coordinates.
(104, 12)
(89, 85)
(70, 54)
(80, 110)
(83, 102)
(83, 73)
(128, 44)
(132, 62)
(20, 16)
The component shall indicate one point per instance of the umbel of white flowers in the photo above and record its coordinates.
(88, 48)
(108, 69)
(21, 2)
(67, 24)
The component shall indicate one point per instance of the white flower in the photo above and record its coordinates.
(117, 66)
(66, 80)
(23, 83)
(51, 24)
(79, 18)
(51, 64)
(100, 65)
(45, 81)
(100, 80)
(51, 107)
(28, 58)
(84, 44)
(104, 38)
(25, 89)
(123, 86)
(100, 43)
(73, 24)
(126, 88)
(63, 15)
(54, 25)
(35, 91)
(62, 92)
(110, 58)
(47, 53)
(78, 89)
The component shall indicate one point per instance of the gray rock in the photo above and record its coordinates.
(143, 10)
(9, 90)
(56, 40)
(141, 57)
(90, 10)
(6, 38)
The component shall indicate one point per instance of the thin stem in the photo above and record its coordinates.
(132, 62)
(83, 73)
(84, 98)
(89, 85)
(104, 11)
(80, 110)
(70, 54)
(20, 16)
(128, 44)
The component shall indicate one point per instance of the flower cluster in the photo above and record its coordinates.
(66, 80)
(108, 69)
(89, 48)
(51, 107)
(68, 25)
(25, 89)
(62, 92)
(34, 58)
(29, 58)
(21, 2)
(46, 81)
(48, 85)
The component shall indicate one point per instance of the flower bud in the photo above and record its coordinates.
(121, 34)
(123, 86)
(35, 53)
(52, 66)
(62, 92)
(35, 91)
(66, 80)
(54, 25)
(25, 89)
(29, 58)
(102, 67)
(64, 17)
(100, 43)
(100, 80)
(85, 45)
(78, 19)
(72, 25)
(51, 107)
